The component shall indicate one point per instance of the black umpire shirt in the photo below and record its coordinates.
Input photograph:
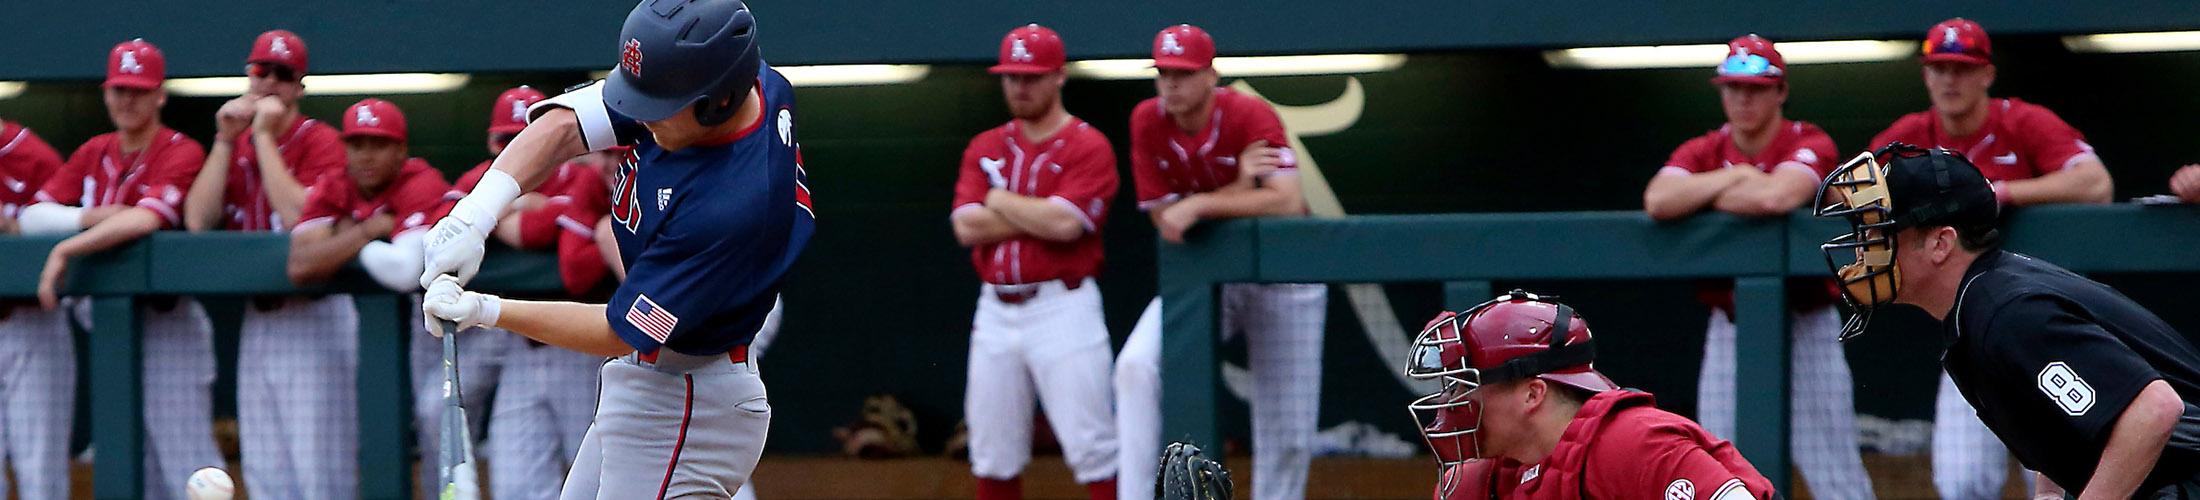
(2050, 359)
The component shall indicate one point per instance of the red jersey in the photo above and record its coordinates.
(1075, 168)
(1169, 164)
(539, 227)
(311, 150)
(2020, 140)
(1798, 146)
(411, 196)
(1620, 445)
(576, 197)
(100, 173)
(25, 164)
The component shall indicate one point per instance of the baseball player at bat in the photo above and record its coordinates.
(2033, 157)
(2086, 387)
(709, 210)
(38, 395)
(1030, 204)
(297, 410)
(1201, 152)
(1521, 412)
(117, 188)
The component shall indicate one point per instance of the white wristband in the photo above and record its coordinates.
(481, 208)
(491, 308)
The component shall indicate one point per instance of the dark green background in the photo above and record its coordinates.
(882, 302)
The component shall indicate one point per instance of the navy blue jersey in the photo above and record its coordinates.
(707, 233)
(2050, 359)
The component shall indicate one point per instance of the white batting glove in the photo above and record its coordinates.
(453, 249)
(992, 170)
(446, 301)
(454, 245)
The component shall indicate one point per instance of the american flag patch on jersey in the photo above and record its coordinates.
(653, 320)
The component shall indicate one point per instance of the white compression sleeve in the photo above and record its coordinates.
(51, 218)
(396, 264)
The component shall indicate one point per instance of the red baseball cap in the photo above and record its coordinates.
(374, 118)
(1751, 59)
(280, 47)
(1958, 40)
(510, 114)
(1183, 46)
(1030, 50)
(135, 64)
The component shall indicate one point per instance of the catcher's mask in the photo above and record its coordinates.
(1882, 192)
(1508, 338)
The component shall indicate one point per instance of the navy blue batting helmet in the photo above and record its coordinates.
(673, 53)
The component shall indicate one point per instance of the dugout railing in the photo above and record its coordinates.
(1463, 251)
(1466, 252)
(242, 264)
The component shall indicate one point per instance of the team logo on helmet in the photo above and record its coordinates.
(1170, 46)
(630, 58)
(129, 63)
(279, 47)
(519, 110)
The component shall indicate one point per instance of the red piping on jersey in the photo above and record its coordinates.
(687, 410)
(763, 107)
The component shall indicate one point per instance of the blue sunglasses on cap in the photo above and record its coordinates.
(1748, 65)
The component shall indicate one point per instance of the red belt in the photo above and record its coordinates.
(1029, 290)
(739, 354)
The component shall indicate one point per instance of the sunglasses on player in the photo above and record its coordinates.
(271, 70)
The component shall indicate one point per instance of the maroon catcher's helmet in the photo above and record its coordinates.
(1508, 338)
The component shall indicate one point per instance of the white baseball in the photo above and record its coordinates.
(210, 483)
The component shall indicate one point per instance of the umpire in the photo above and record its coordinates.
(2085, 386)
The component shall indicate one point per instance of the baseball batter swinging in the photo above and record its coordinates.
(709, 212)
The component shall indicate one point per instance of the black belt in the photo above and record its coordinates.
(1017, 294)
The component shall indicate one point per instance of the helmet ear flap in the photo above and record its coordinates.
(711, 111)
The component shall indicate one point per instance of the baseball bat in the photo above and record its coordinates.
(456, 465)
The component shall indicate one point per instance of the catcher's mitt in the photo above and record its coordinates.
(1186, 475)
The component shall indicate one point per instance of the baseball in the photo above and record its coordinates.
(210, 483)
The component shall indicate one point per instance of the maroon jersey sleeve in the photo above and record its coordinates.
(1258, 122)
(1088, 180)
(1814, 150)
(419, 195)
(1695, 156)
(1909, 129)
(2047, 138)
(970, 181)
(322, 155)
(66, 186)
(1153, 189)
(27, 162)
(325, 201)
(1661, 457)
(580, 261)
(171, 176)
